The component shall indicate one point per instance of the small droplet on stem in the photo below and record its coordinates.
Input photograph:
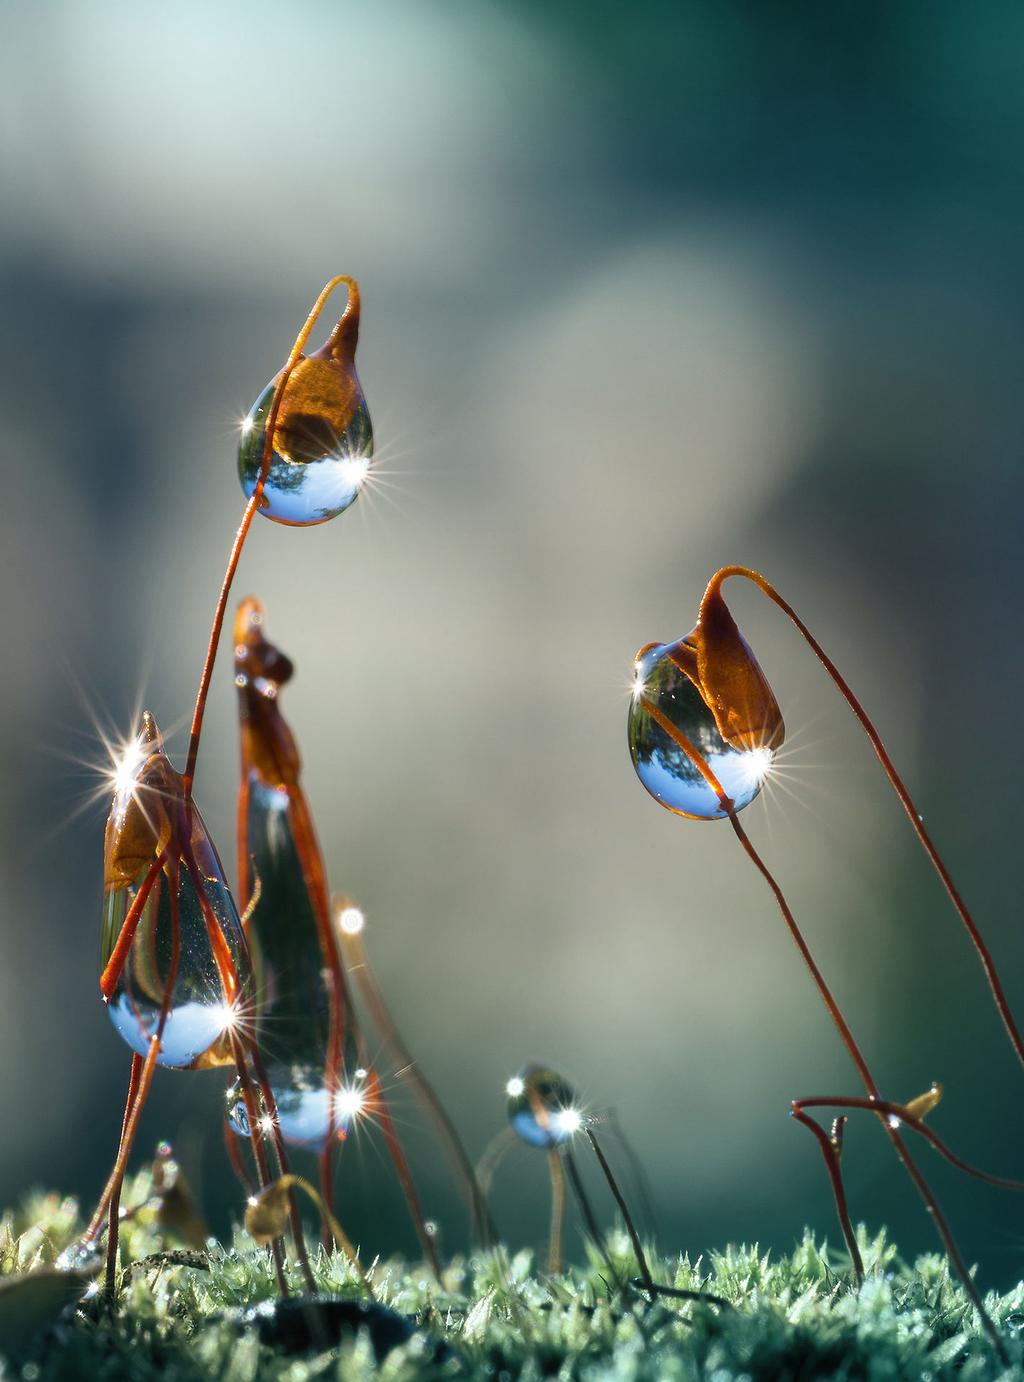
(542, 1108)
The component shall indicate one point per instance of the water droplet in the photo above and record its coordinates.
(299, 984)
(236, 1111)
(323, 438)
(183, 942)
(542, 1108)
(304, 1105)
(663, 766)
(84, 1255)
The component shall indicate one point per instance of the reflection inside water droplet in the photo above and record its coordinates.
(542, 1108)
(188, 948)
(304, 1106)
(295, 988)
(199, 1015)
(665, 769)
(322, 458)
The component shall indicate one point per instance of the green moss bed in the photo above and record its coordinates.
(182, 1314)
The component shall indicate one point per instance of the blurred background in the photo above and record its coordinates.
(645, 291)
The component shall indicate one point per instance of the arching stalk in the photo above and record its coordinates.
(988, 964)
(825, 993)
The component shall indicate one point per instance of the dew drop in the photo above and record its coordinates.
(542, 1108)
(295, 979)
(663, 766)
(187, 948)
(323, 437)
(304, 1105)
(236, 1111)
(82, 1255)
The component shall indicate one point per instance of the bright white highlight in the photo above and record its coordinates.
(245, 426)
(229, 1017)
(638, 685)
(354, 470)
(126, 767)
(349, 1102)
(514, 1087)
(755, 766)
(567, 1121)
(351, 921)
(266, 1123)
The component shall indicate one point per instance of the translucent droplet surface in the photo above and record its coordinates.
(173, 949)
(319, 465)
(323, 438)
(295, 954)
(663, 766)
(304, 1112)
(542, 1108)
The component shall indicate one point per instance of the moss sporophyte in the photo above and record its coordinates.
(196, 976)
(704, 728)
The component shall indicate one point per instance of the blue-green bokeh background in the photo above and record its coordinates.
(646, 291)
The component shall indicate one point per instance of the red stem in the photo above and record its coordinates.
(412, 1199)
(133, 1089)
(923, 1189)
(830, 1154)
(294, 1217)
(259, 1150)
(243, 531)
(234, 1151)
(899, 787)
(131, 1123)
(904, 1115)
(326, 1168)
(634, 1237)
(112, 971)
(380, 1016)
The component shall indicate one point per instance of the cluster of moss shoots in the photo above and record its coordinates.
(194, 974)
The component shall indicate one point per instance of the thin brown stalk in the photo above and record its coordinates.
(634, 1237)
(830, 1155)
(825, 993)
(243, 531)
(899, 787)
(556, 1230)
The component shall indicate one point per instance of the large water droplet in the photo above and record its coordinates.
(188, 954)
(306, 1111)
(323, 437)
(542, 1108)
(663, 766)
(301, 986)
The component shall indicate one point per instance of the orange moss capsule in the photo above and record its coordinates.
(323, 437)
(703, 713)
